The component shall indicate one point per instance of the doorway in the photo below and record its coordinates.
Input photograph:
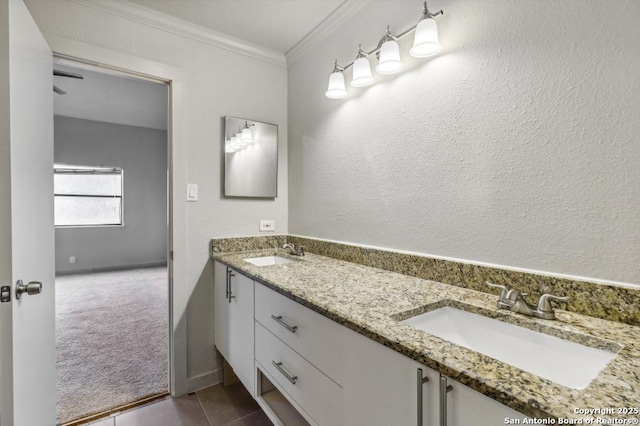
(112, 237)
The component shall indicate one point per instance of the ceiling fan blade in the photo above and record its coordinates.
(67, 74)
(59, 91)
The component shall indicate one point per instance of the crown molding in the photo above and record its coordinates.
(164, 22)
(345, 11)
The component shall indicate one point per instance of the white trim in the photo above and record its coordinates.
(171, 24)
(478, 263)
(204, 380)
(177, 134)
(345, 11)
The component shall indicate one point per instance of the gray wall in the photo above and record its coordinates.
(517, 145)
(142, 154)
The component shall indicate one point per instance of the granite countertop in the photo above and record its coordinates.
(373, 301)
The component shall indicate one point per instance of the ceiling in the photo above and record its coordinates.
(111, 98)
(114, 98)
(276, 24)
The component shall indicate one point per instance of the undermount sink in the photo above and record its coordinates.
(564, 362)
(268, 260)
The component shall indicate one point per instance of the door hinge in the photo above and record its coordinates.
(5, 294)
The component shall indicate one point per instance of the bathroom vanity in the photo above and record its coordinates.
(324, 342)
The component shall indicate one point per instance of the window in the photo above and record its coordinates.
(87, 195)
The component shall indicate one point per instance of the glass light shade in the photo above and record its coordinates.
(246, 135)
(336, 89)
(389, 62)
(361, 73)
(425, 42)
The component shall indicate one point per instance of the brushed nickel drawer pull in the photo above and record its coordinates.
(445, 388)
(420, 382)
(230, 295)
(278, 319)
(278, 365)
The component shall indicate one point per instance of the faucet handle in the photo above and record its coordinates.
(301, 250)
(513, 295)
(505, 289)
(545, 306)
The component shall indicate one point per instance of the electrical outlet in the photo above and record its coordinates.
(72, 259)
(267, 225)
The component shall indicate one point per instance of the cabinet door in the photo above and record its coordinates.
(466, 407)
(382, 386)
(221, 312)
(241, 328)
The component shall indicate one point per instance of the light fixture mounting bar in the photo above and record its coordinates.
(396, 37)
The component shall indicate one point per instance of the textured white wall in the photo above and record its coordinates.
(218, 82)
(517, 145)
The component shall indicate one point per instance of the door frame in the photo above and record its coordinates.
(176, 160)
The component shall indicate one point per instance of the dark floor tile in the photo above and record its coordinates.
(183, 411)
(226, 404)
(259, 418)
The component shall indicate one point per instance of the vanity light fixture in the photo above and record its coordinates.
(361, 70)
(246, 133)
(231, 145)
(426, 43)
(389, 61)
(425, 40)
(336, 89)
(239, 140)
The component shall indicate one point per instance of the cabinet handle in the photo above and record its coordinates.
(231, 296)
(278, 319)
(278, 365)
(444, 390)
(227, 284)
(420, 382)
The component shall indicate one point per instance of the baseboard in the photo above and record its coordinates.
(204, 380)
(112, 268)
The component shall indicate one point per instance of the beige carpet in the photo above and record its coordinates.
(111, 339)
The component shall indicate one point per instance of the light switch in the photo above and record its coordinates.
(192, 192)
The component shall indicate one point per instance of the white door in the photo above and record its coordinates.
(27, 325)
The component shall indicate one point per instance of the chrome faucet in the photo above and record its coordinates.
(514, 301)
(292, 247)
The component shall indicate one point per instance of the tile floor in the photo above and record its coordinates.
(214, 406)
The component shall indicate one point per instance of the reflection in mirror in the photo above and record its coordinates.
(250, 159)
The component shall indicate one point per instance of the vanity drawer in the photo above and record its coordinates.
(315, 337)
(319, 396)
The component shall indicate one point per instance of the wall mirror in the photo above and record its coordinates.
(250, 158)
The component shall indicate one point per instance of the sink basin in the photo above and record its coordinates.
(561, 361)
(268, 260)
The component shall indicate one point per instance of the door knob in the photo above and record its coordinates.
(34, 287)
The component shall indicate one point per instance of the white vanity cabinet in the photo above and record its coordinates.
(465, 406)
(302, 353)
(383, 387)
(234, 332)
(329, 374)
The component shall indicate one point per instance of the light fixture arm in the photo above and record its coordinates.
(361, 53)
(426, 14)
(338, 68)
(247, 125)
